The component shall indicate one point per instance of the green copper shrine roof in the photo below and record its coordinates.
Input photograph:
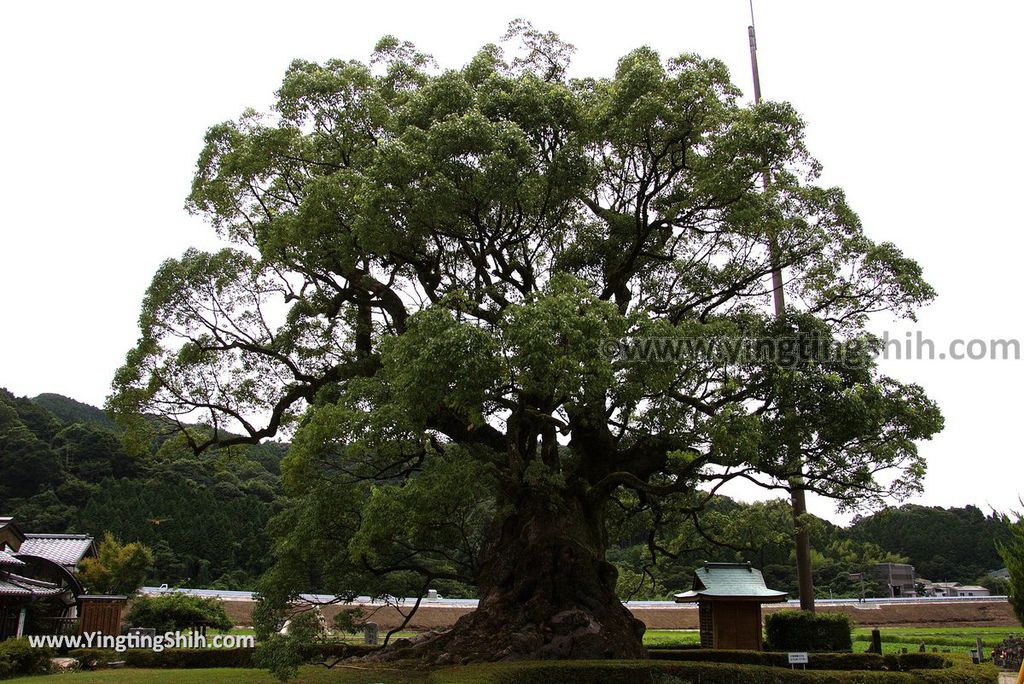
(737, 581)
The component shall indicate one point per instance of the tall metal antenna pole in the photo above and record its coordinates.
(753, 55)
(797, 493)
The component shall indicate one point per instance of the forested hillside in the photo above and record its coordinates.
(69, 410)
(943, 544)
(63, 468)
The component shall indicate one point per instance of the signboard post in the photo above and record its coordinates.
(798, 658)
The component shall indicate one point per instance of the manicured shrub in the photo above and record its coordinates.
(189, 658)
(955, 671)
(954, 668)
(799, 630)
(177, 611)
(663, 672)
(17, 658)
(337, 649)
(171, 658)
(817, 661)
(200, 658)
(924, 661)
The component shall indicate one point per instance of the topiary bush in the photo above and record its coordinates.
(171, 658)
(800, 630)
(637, 672)
(953, 671)
(177, 611)
(189, 658)
(817, 661)
(18, 658)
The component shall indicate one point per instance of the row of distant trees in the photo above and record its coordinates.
(65, 469)
(944, 544)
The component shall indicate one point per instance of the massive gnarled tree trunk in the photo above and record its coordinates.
(546, 591)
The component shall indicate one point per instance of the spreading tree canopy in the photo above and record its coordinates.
(442, 283)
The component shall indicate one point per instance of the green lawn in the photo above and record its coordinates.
(671, 637)
(955, 639)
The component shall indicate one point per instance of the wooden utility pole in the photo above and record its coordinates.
(797, 494)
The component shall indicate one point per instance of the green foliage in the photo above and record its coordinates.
(79, 477)
(27, 466)
(424, 274)
(797, 630)
(205, 658)
(1012, 553)
(18, 658)
(68, 410)
(176, 611)
(818, 661)
(118, 568)
(944, 670)
(761, 532)
(282, 654)
(305, 641)
(171, 658)
(944, 544)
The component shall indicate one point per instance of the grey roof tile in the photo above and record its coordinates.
(65, 549)
(729, 580)
(14, 585)
(9, 560)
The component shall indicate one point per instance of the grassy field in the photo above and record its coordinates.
(671, 637)
(954, 639)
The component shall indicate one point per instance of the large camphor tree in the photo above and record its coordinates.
(489, 307)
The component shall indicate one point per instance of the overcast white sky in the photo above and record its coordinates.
(913, 107)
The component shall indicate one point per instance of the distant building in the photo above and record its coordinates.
(940, 588)
(899, 578)
(954, 589)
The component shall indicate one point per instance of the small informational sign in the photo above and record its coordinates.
(797, 658)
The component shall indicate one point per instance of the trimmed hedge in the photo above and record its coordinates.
(201, 658)
(817, 661)
(641, 672)
(171, 658)
(926, 661)
(17, 658)
(338, 649)
(955, 671)
(800, 630)
(177, 611)
(957, 668)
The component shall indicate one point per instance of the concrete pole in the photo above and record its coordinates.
(797, 494)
